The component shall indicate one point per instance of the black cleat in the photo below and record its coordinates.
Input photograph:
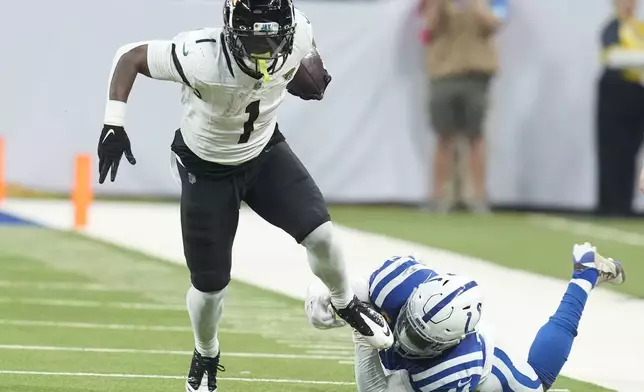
(201, 366)
(363, 318)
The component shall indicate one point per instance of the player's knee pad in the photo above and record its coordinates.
(210, 281)
(321, 241)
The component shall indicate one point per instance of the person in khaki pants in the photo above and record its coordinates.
(461, 60)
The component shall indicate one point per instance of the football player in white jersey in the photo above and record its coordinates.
(228, 150)
(439, 343)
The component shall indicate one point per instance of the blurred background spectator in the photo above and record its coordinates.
(461, 61)
(620, 110)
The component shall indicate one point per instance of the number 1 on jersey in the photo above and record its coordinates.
(249, 126)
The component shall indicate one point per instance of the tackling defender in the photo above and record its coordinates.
(439, 345)
(228, 150)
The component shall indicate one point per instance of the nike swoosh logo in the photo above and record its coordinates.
(462, 384)
(110, 132)
(387, 332)
(185, 52)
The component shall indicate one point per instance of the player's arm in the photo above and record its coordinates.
(114, 142)
(129, 61)
(370, 377)
(311, 79)
(155, 59)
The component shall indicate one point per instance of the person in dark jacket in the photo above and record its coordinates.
(620, 110)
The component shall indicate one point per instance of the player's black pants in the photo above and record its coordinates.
(620, 128)
(276, 185)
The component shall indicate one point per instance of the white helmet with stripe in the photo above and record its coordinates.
(438, 315)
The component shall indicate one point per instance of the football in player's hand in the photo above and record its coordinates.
(311, 79)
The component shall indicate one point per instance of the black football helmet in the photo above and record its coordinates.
(259, 34)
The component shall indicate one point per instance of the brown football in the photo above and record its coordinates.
(309, 78)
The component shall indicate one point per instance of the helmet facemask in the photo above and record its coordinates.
(260, 36)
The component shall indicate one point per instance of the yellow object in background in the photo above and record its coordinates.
(631, 36)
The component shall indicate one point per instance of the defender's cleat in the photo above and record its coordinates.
(203, 367)
(368, 323)
(585, 257)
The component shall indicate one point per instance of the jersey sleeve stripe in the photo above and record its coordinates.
(514, 375)
(224, 47)
(377, 272)
(439, 306)
(397, 282)
(381, 277)
(387, 275)
(448, 365)
(400, 292)
(465, 371)
(484, 349)
(178, 66)
(502, 380)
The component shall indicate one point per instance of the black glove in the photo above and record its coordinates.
(111, 146)
(310, 96)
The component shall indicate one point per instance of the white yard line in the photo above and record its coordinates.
(170, 352)
(63, 324)
(170, 377)
(124, 327)
(260, 311)
(261, 249)
(93, 304)
(329, 347)
(62, 286)
(346, 352)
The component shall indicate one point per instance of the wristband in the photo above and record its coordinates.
(115, 113)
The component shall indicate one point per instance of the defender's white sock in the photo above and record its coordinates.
(205, 311)
(327, 263)
(584, 284)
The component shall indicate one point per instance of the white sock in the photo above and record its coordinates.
(205, 311)
(327, 263)
(584, 284)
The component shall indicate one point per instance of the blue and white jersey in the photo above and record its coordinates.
(392, 283)
(457, 370)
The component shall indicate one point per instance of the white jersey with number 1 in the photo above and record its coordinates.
(228, 116)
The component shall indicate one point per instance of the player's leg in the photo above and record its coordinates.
(444, 119)
(619, 136)
(475, 89)
(285, 195)
(553, 343)
(209, 217)
(369, 373)
(510, 374)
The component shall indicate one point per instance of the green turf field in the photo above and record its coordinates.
(80, 315)
(514, 240)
